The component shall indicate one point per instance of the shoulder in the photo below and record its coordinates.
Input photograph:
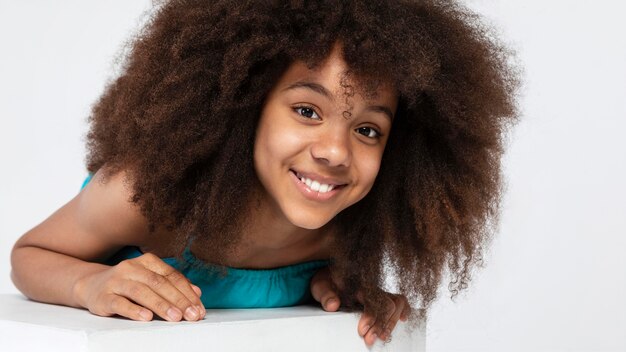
(106, 202)
(94, 224)
(105, 207)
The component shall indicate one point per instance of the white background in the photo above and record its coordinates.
(555, 277)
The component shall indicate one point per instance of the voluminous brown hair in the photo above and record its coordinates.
(181, 117)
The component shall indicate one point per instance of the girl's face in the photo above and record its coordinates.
(318, 149)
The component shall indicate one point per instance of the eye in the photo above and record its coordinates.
(368, 132)
(307, 111)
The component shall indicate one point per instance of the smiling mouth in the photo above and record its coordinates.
(317, 186)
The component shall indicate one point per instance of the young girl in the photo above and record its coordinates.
(255, 154)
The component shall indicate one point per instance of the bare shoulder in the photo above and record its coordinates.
(96, 223)
(106, 202)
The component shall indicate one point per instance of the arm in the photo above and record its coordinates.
(56, 261)
(324, 291)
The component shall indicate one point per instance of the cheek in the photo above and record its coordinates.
(368, 170)
(371, 172)
(283, 140)
(276, 142)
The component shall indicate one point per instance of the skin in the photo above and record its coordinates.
(57, 261)
(324, 291)
(302, 127)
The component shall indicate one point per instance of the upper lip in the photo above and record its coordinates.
(319, 178)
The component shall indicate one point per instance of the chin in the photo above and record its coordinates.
(309, 222)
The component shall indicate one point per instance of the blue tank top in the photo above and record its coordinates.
(240, 288)
(225, 287)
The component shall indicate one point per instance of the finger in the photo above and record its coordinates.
(394, 308)
(374, 327)
(406, 312)
(176, 288)
(324, 291)
(369, 328)
(125, 308)
(196, 310)
(145, 296)
(197, 290)
(380, 329)
(372, 335)
(366, 322)
(155, 291)
(399, 303)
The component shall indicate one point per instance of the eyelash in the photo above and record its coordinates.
(298, 110)
(377, 136)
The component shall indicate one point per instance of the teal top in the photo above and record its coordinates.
(240, 288)
(225, 287)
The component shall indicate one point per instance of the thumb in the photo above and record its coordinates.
(324, 291)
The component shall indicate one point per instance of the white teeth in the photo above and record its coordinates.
(316, 186)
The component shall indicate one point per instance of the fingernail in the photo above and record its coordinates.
(145, 315)
(330, 301)
(386, 335)
(201, 310)
(174, 314)
(191, 313)
(366, 329)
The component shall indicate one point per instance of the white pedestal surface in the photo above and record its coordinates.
(31, 326)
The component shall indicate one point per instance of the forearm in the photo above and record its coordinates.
(48, 276)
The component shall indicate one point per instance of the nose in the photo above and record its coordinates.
(333, 148)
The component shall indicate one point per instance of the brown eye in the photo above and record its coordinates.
(307, 112)
(368, 132)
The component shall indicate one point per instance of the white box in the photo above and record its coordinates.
(31, 326)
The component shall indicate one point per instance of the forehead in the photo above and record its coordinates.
(333, 78)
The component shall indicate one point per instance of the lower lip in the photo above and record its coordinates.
(311, 194)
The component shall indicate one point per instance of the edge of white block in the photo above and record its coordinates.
(28, 325)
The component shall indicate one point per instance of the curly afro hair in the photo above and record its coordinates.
(182, 114)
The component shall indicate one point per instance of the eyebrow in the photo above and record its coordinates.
(385, 110)
(320, 89)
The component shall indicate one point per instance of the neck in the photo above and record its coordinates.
(271, 240)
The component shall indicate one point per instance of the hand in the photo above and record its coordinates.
(137, 288)
(324, 290)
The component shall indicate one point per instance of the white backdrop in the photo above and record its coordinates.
(555, 277)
